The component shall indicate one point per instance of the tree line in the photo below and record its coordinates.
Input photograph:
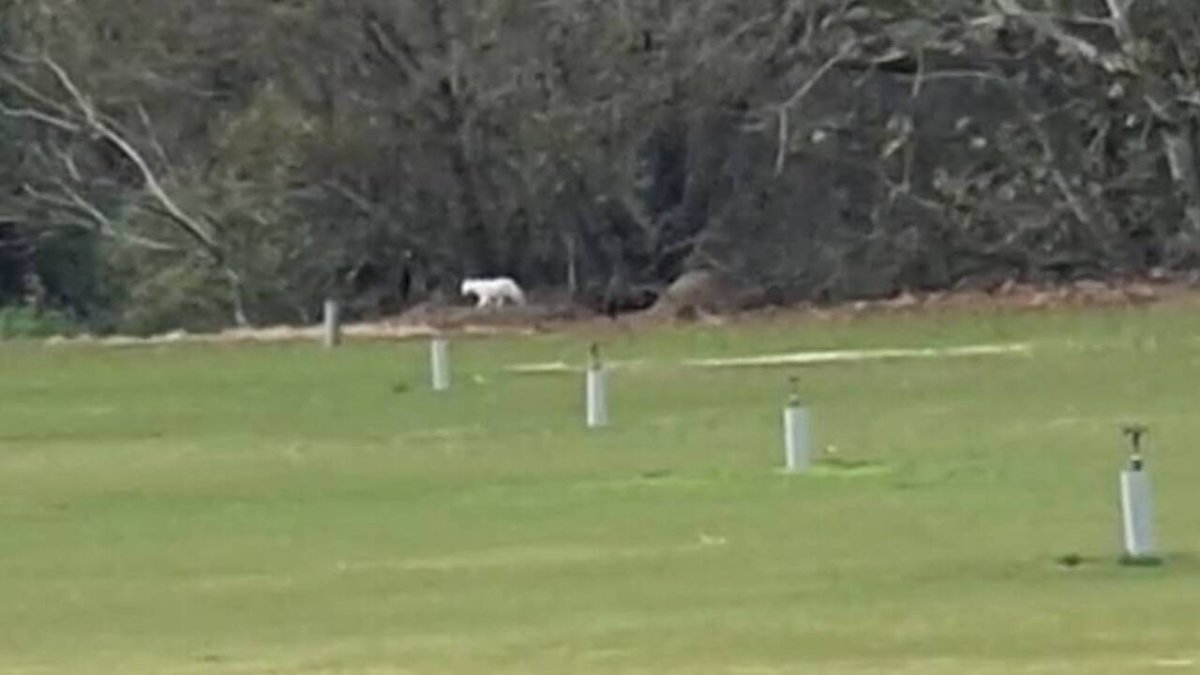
(199, 163)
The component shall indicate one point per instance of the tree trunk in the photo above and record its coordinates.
(1181, 157)
(480, 253)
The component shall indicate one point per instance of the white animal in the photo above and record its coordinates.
(494, 291)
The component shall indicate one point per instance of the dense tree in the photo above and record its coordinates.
(199, 162)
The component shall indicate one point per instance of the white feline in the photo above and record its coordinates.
(494, 291)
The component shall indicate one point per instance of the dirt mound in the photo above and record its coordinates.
(421, 321)
(455, 317)
(698, 293)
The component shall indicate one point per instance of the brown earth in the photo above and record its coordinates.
(693, 302)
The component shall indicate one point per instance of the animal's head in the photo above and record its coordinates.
(470, 286)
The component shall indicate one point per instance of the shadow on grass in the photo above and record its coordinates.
(836, 467)
(1173, 560)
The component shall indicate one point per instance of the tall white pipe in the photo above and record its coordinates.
(796, 437)
(597, 391)
(1137, 514)
(439, 363)
(1137, 508)
(332, 336)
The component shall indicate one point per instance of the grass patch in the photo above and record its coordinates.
(837, 467)
(282, 508)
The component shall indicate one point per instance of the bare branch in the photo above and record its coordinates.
(39, 116)
(782, 147)
(65, 81)
(101, 223)
(820, 73)
(798, 95)
(32, 93)
(1048, 26)
(197, 231)
(144, 116)
(960, 75)
(93, 123)
(910, 151)
(1118, 10)
(72, 169)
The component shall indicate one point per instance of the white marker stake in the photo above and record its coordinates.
(439, 363)
(795, 434)
(1137, 511)
(333, 324)
(597, 392)
(1137, 514)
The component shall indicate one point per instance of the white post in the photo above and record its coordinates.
(1137, 515)
(1137, 512)
(597, 391)
(439, 363)
(795, 434)
(795, 431)
(333, 324)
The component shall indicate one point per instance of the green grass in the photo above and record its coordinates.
(282, 509)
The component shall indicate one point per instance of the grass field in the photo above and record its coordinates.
(283, 509)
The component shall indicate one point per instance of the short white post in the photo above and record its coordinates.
(333, 324)
(597, 391)
(796, 433)
(439, 363)
(1137, 510)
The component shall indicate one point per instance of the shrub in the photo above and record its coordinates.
(26, 322)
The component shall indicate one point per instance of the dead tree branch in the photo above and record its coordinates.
(81, 116)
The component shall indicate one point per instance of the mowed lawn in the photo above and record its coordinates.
(285, 509)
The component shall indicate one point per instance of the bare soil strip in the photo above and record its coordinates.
(560, 367)
(794, 358)
(364, 331)
(427, 320)
(855, 355)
